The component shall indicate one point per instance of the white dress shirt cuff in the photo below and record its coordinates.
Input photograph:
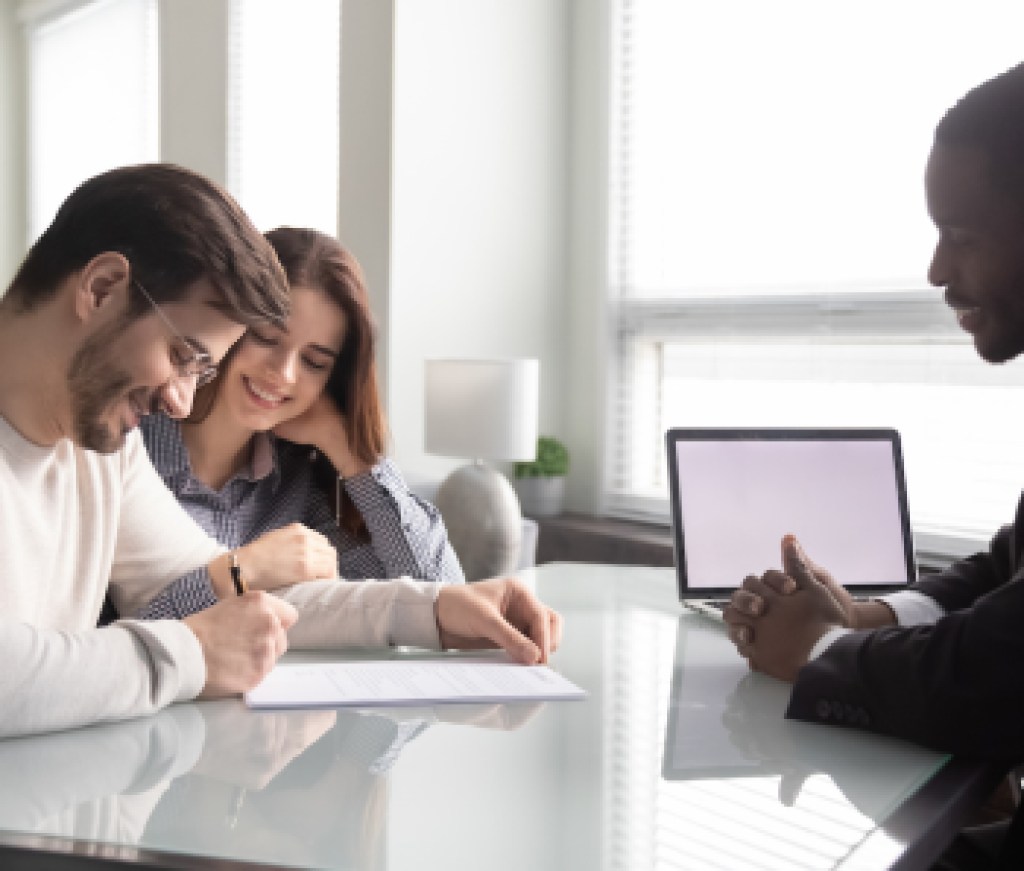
(910, 607)
(913, 608)
(823, 643)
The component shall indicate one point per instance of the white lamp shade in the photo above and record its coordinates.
(483, 409)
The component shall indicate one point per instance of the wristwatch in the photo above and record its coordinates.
(236, 574)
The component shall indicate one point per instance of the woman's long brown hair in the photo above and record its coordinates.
(317, 261)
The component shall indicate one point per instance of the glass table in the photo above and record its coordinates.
(678, 758)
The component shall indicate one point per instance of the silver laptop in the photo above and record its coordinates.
(736, 492)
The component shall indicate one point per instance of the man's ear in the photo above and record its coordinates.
(101, 283)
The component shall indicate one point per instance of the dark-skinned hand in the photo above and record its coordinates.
(775, 619)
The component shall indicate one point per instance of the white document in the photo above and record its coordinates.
(409, 682)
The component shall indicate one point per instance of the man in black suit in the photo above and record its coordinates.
(941, 664)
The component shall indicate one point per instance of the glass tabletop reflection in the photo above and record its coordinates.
(679, 757)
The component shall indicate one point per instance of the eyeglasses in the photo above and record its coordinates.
(190, 362)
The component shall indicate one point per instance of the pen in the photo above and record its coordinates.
(236, 574)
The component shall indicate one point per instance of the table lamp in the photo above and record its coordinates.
(484, 410)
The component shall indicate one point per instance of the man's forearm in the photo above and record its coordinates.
(63, 680)
(869, 614)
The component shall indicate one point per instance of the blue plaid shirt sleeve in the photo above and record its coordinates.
(190, 593)
(407, 534)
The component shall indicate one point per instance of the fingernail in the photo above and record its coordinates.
(788, 585)
(755, 606)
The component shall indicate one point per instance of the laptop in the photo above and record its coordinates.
(736, 492)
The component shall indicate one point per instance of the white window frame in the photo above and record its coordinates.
(247, 169)
(907, 314)
(38, 14)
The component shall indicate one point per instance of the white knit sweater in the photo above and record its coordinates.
(73, 521)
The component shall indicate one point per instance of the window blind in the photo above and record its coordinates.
(769, 241)
(283, 96)
(92, 95)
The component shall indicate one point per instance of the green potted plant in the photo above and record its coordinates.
(541, 484)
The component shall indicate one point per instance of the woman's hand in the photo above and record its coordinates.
(287, 556)
(319, 425)
(323, 426)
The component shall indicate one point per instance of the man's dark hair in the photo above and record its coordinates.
(990, 117)
(174, 227)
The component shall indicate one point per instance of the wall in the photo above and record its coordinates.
(13, 208)
(365, 146)
(587, 344)
(193, 85)
(479, 221)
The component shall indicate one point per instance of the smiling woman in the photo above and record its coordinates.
(242, 464)
(275, 376)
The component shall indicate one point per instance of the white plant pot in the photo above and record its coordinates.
(541, 496)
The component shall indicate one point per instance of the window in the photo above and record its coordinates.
(283, 85)
(769, 242)
(92, 95)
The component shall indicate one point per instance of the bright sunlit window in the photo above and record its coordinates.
(769, 241)
(92, 95)
(283, 83)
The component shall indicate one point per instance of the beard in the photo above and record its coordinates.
(96, 383)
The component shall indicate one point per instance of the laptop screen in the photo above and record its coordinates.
(735, 493)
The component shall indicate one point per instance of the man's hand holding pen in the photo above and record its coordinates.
(241, 637)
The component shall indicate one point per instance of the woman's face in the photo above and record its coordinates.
(277, 374)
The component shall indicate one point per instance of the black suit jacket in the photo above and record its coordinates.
(957, 686)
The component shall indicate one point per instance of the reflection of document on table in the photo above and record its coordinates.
(409, 682)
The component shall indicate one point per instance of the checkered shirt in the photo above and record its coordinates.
(407, 535)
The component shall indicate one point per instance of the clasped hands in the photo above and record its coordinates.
(775, 619)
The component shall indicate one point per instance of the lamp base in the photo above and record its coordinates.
(485, 526)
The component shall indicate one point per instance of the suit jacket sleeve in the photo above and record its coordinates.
(957, 685)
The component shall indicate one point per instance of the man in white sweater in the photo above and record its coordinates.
(145, 278)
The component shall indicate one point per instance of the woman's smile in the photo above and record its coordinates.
(262, 396)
